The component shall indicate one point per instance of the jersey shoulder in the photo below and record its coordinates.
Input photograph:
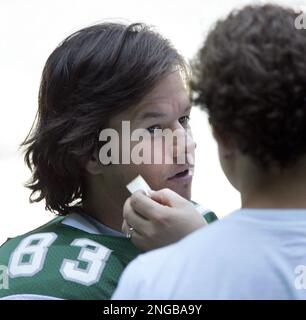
(207, 214)
(61, 261)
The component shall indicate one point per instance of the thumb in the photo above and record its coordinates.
(168, 198)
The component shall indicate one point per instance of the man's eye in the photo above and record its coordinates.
(153, 128)
(184, 121)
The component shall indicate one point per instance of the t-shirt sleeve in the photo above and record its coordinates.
(130, 283)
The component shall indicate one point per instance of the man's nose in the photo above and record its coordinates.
(183, 147)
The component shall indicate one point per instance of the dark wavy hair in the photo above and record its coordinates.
(92, 75)
(250, 76)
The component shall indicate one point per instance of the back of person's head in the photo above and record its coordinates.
(91, 76)
(250, 76)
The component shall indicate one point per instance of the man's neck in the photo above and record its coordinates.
(275, 191)
(105, 211)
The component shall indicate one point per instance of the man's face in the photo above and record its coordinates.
(167, 106)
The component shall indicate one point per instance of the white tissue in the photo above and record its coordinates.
(138, 184)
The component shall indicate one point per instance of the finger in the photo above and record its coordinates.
(125, 227)
(138, 222)
(133, 218)
(140, 241)
(145, 207)
(168, 198)
(126, 207)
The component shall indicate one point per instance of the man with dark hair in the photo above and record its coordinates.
(95, 80)
(250, 76)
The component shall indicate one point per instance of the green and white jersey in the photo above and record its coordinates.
(73, 257)
(207, 214)
(68, 258)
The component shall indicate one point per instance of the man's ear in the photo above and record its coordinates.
(225, 143)
(94, 166)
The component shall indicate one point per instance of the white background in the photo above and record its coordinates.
(30, 30)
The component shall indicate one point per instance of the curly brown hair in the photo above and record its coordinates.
(250, 76)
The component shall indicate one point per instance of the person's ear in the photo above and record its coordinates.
(225, 143)
(94, 166)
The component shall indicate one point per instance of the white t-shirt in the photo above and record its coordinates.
(251, 254)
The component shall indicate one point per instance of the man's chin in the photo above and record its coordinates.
(184, 191)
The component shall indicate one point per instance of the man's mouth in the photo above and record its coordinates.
(183, 173)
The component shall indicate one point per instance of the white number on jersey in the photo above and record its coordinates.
(94, 254)
(29, 257)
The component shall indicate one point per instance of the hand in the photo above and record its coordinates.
(160, 219)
